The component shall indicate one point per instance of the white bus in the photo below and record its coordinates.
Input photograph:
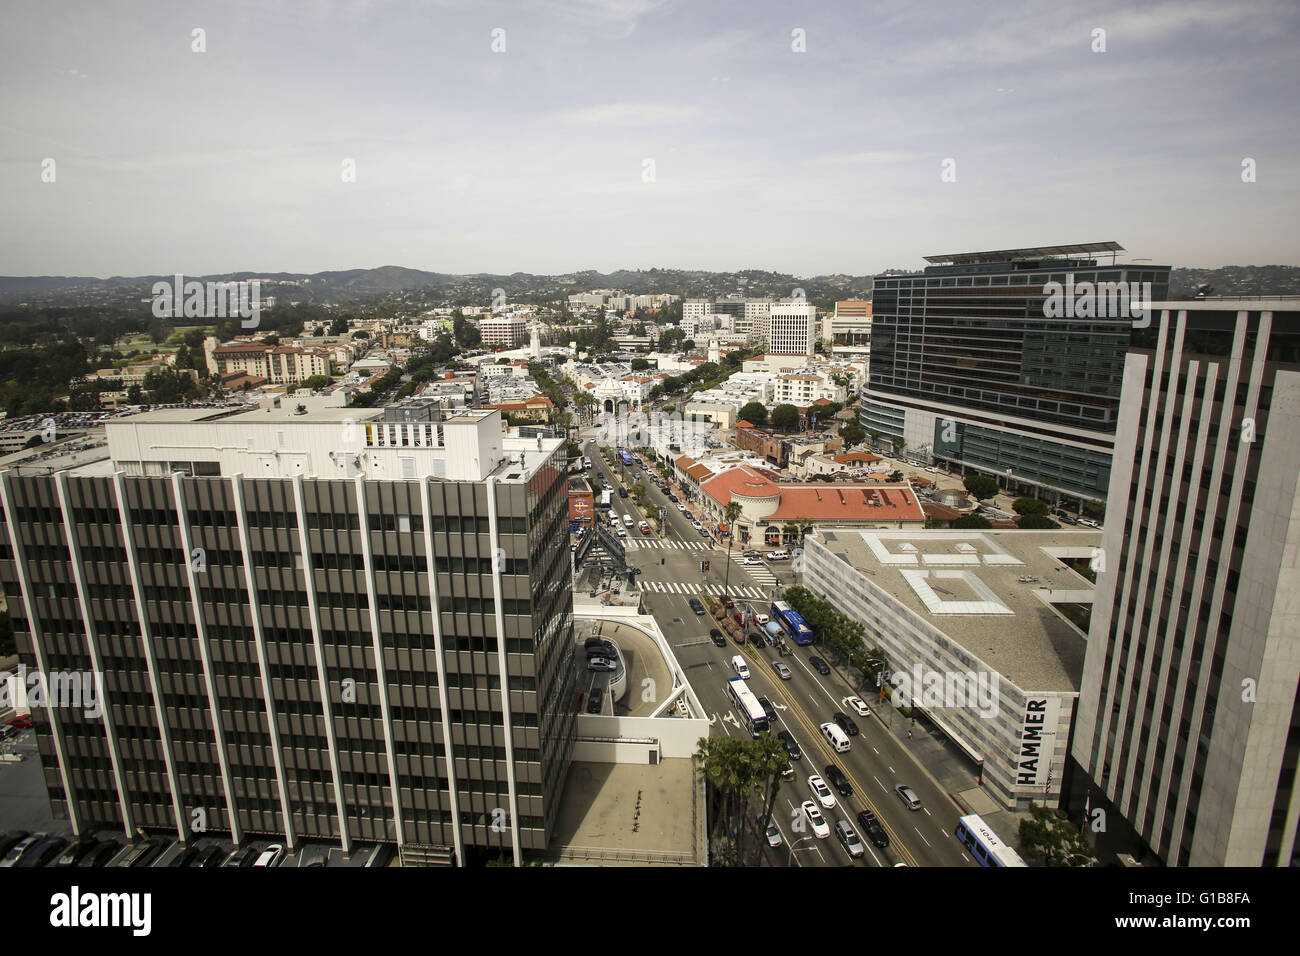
(984, 844)
(752, 714)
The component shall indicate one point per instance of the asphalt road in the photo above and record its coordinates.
(876, 760)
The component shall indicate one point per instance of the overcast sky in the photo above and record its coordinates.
(536, 158)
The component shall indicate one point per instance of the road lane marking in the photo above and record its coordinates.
(922, 836)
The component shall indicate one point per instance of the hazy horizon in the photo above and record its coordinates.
(534, 159)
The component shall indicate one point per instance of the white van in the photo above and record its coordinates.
(741, 668)
(836, 737)
(779, 556)
(627, 521)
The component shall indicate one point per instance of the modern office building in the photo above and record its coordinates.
(341, 624)
(980, 630)
(848, 328)
(1009, 363)
(791, 329)
(504, 332)
(1189, 717)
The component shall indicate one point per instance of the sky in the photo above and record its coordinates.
(552, 136)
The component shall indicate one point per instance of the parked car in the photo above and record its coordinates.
(858, 706)
(20, 848)
(739, 618)
(22, 722)
(821, 791)
(717, 637)
(791, 745)
(271, 856)
(10, 840)
(43, 852)
(837, 780)
(212, 857)
(820, 828)
(728, 603)
(104, 851)
(697, 526)
(595, 700)
(782, 671)
(908, 796)
(601, 664)
(819, 664)
(846, 723)
(186, 857)
(74, 853)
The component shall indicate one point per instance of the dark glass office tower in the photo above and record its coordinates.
(976, 365)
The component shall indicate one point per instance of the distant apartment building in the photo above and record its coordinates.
(971, 368)
(278, 364)
(1189, 711)
(802, 390)
(351, 625)
(504, 332)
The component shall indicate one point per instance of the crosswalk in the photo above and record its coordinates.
(759, 572)
(633, 544)
(684, 587)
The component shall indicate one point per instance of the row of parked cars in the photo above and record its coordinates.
(22, 849)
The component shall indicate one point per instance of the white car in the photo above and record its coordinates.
(751, 561)
(760, 619)
(697, 526)
(821, 792)
(622, 532)
(271, 856)
(820, 828)
(859, 706)
(681, 506)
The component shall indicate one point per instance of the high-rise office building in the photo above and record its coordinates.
(792, 329)
(1189, 716)
(980, 364)
(346, 624)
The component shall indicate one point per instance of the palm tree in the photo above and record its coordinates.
(733, 511)
(739, 770)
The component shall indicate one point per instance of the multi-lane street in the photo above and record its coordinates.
(877, 759)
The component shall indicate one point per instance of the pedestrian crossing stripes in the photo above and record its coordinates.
(759, 572)
(685, 587)
(668, 545)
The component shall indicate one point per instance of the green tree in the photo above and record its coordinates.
(1030, 506)
(639, 365)
(1052, 835)
(339, 326)
(740, 773)
(785, 417)
(852, 433)
(314, 382)
(971, 521)
(898, 445)
(1036, 523)
(361, 334)
(755, 413)
(875, 438)
(981, 486)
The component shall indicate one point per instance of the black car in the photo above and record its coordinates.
(791, 745)
(696, 606)
(102, 852)
(846, 723)
(213, 856)
(821, 666)
(43, 853)
(872, 829)
(718, 638)
(835, 777)
(186, 857)
(672, 498)
(755, 640)
(768, 709)
(11, 839)
(595, 700)
(74, 854)
(622, 492)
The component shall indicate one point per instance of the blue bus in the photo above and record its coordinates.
(793, 622)
(624, 457)
(988, 850)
